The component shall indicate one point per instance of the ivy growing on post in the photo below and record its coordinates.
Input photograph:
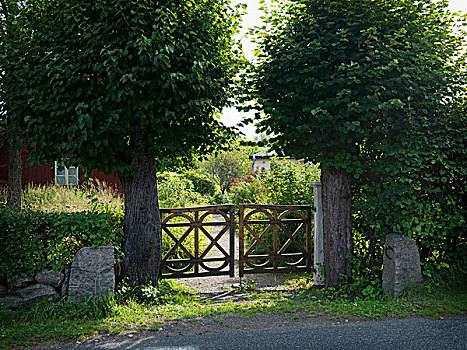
(359, 86)
(126, 86)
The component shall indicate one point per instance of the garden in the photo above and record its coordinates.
(368, 96)
(56, 221)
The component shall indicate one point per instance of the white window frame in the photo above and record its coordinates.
(67, 176)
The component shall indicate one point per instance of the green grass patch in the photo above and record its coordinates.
(51, 323)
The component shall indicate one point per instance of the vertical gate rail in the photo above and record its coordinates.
(275, 258)
(193, 262)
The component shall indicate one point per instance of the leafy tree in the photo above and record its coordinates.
(354, 82)
(178, 191)
(418, 188)
(288, 182)
(126, 86)
(224, 166)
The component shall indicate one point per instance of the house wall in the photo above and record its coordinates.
(111, 180)
(266, 163)
(44, 174)
(37, 175)
(258, 164)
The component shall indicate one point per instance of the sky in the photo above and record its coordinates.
(230, 116)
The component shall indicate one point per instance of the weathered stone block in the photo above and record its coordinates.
(401, 264)
(21, 282)
(50, 277)
(37, 291)
(3, 291)
(92, 274)
(10, 301)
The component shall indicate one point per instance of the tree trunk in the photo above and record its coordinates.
(14, 176)
(142, 222)
(337, 230)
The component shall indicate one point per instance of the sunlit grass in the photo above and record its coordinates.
(48, 322)
(57, 198)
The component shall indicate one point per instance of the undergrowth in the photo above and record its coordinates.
(68, 199)
(132, 309)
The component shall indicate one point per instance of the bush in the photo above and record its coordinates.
(177, 191)
(223, 166)
(249, 189)
(201, 182)
(218, 198)
(40, 236)
(34, 240)
(288, 182)
(419, 189)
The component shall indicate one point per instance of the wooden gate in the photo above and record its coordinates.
(188, 229)
(274, 238)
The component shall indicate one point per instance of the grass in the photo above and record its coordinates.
(51, 323)
(57, 198)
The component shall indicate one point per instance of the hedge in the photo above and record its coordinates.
(33, 240)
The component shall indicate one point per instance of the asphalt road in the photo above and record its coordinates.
(416, 333)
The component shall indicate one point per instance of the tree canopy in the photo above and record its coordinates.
(224, 166)
(99, 66)
(11, 32)
(121, 83)
(365, 86)
(340, 75)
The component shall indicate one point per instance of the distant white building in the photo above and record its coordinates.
(262, 160)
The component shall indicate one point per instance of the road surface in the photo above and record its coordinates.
(415, 333)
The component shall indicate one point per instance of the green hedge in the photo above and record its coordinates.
(33, 240)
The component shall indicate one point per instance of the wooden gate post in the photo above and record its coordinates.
(318, 235)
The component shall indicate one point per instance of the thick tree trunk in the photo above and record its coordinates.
(337, 231)
(142, 222)
(14, 177)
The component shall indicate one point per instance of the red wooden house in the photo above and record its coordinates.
(51, 173)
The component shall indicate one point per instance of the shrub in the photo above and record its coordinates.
(177, 191)
(223, 166)
(249, 189)
(201, 182)
(57, 221)
(419, 189)
(33, 240)
(219, 198)
(288, 182)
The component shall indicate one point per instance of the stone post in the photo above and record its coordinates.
(318, 235)
(401, 264)
(92, 274)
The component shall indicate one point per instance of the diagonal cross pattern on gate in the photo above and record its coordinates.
(271, 238)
